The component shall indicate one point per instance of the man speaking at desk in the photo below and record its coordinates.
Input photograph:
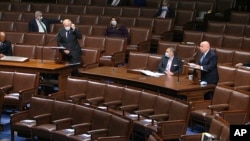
(170, 63)
(68, 38)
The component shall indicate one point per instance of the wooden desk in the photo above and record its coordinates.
(35, 65)
(165, 84)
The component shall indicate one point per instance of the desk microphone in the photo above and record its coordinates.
(178, 73)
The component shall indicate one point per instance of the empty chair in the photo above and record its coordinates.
(163, 45)
(74, 18)
(148, 12)
(95, 90)
(104, 20)
(127, 21)
(28, 16)
(44, 7)
(33, 39)
(239, 17)
(216, 27)
(5, 6)
(88, 19)
(90, 58)
(144, 22)
(11, 16)
(245, 44)
(52, 15)
(232, 42)
(162, 30)
(45, 53)
(186, 52)
(20, 7)
(224, 73)
(24, 50)
(225, 56)
(187, 5)
(98, 30)
(94, 10)
(58, 8)
(21, 26)
(7, 26)
(94, 42)
(130, 12)
(114, 53)
(241, 57)
(153, 62)
(247, 31)
(137, 60)
(192, 37)
(182, 17)
(19, 94)
(235, 29)
(112, 11)
(15, 37)
(85, 29)
(76, 9)
(215, 40)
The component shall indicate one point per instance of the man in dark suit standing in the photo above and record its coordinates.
(208, 64)
(68, 38)
(170, 63)
(40, 24)
(165, 11)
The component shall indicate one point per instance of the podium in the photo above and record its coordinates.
(195, 72)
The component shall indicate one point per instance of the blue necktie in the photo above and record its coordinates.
(202, 58)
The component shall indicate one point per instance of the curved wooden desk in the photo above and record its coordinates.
(35, 65)
(165, 84)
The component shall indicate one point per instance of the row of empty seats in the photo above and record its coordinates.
(240, 17)
(217, 40)
(229, 28)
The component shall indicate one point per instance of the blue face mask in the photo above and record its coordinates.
(164, 7)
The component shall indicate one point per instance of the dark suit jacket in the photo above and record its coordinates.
(6, 48)
(170, 12)
(176, 64)
(209, 64)
(247, 64)
(71, 44)
(33, 27)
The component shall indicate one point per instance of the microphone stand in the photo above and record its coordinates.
(178, 73)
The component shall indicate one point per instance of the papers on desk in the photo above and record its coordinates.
(14, 58)
(107, 56)
(149, 73)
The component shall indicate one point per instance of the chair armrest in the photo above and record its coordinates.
(62, 123)
(194, 137)
(118, 58)
(6, 88)
(98, 131)
(201, 104)
(235, 116)
(145, 112)
(113, 138)
(77, 98)
(218, 107)
(61, 95)
(243, 89)
(42, 119)
(144, 46)
(25, 95)
(113, 103)
(129, 107)
(159, 117)
(19, 116)
(95, 100)
(229, 84)
(81, 128)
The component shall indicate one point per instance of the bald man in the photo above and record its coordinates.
(208, 64)
(68, 37)
(5, 46)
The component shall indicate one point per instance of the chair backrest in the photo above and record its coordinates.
(20, 7)
(5, 6)
(50, 39)
(216, 27)
(224, 55)
(148, 12)
(239, 17)
(138, 35)
(130, 12)
(162, 25)
(31, 81)
(187, 5)
(99, 3)
(58, 8)
(113, 45)
(241, 77)
(6, 78)
(137, 60)
(76, 9)
(88, 19)
(82, 114)
(11, 16)
(95, 89)
(94, 42)
(192, 36)
(100, 120)
(245, 44)
(221, 92)
(94, 10)
(215, 40)
(153, 62)
(147, 100)
(74, 18)
(163, 45)
(90, 56)
(61, 110)
(98, 30)
(232, 42)
(182, 17)
(162, 102)
(39, 7)
(241, 57)
(85, 29)
(104, 20)
(82, 2)
(7, 26)
(130, 96)
(186, 52)
(127, 21)
(22, 27)
(45, 53)
(75, 86)
(226, 73)
(235, 29)
(247, 31)
(144, 22)
(238, 101)
(178, 111)
(35, 106)
(15, 37)
(24, 50)
(119, 127)
(112, 11)
(113, 93)
(34, 39)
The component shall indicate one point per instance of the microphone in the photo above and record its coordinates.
(178, 73)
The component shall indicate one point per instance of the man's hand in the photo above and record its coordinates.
(66, 51)
(169, 73)
(73, 26)
(1, 55)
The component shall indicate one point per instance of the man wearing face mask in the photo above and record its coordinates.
(5, 46)
(116, 30)
(170, 64)
(165, 11)
(40, 24)
(67, 37)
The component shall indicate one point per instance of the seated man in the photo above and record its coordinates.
(5, 46)
(165, 11)
(170, 63)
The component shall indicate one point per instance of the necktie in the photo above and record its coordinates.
(44, 29)
(67, 34)
(202, 58)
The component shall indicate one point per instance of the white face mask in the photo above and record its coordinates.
(114, 23)
(167, 54)
(67, 28)
(1, 43)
